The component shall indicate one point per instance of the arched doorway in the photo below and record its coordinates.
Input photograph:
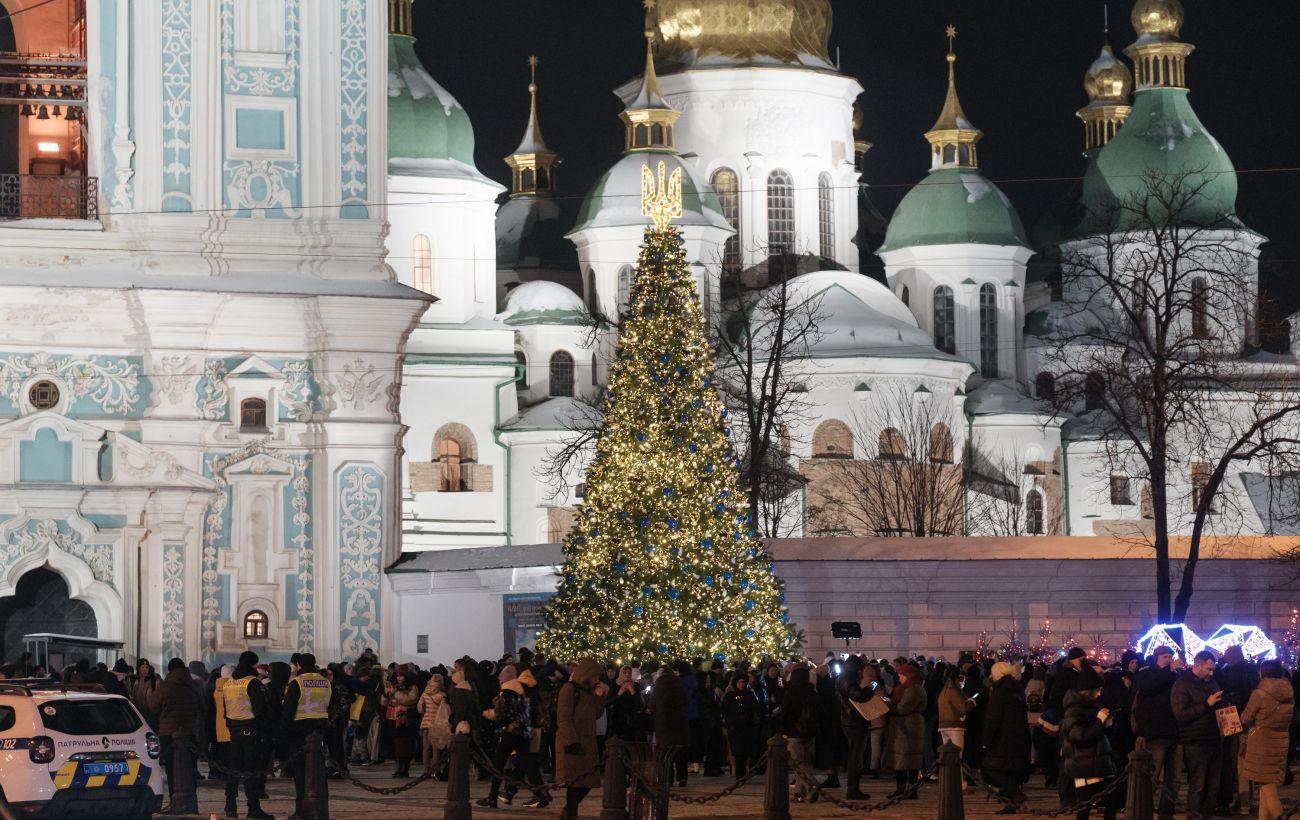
(41, 604)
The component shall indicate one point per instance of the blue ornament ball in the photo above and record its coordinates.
(644, 521)
(647, 591)
(672, 594)
(640, 436)
(720, 656)
(744, 584)
(672, 523)
(668, 492)
(749, 604)
(707, 543)
(620, 567)
(638, 611)
(749, 633)
(697, 403)
(693, 448)
(649, 550)
(708, 580)
(785, 618)
(708, 468)
(710, 623)
(663, 649)
(727, 576)
(720, 508)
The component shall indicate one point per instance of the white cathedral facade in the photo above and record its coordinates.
(275, 385)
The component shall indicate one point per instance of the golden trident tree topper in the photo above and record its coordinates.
(662, 203)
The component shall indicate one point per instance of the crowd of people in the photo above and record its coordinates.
(850, 719)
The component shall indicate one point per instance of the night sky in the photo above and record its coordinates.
(1019, 72)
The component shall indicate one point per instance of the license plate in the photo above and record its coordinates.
(105, 768)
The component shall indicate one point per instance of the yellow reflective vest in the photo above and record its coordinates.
(313, 696)
(238, 705)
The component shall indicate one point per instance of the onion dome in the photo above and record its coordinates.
(1108, 84)
(955, 204)
(862, 318)
(649, 119)
(729, 33)
(543, 303)
(428, 130)
(1162, 136)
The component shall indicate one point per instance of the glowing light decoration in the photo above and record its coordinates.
(1254, 644)
(663, 562)
(1179, 637)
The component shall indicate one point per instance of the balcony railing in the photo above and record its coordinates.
(38, 196)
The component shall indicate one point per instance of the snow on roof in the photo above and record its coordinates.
(996, 397)
(540, 300)
(560, 413)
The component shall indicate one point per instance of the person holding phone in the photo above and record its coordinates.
(1086, 762)
(1194, 698)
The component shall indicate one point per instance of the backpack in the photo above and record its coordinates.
(1035, 702)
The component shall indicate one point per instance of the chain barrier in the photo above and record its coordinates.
(701, 800)
(1095, 800)
(275, 765)
(391, 790)
(816, 792)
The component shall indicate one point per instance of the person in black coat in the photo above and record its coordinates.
(797, 722)
(829, 750)
(741, 715)
(1006, 735)
(668, 704)
(1153, 715)
(857, 729)
(1086, 763)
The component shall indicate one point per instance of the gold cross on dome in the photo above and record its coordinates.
(951, 31)
(662, 203)
(649, 4)
(532, 65)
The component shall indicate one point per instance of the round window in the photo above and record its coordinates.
(44, 395)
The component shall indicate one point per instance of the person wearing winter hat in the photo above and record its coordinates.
(1086, 763)
(512, 723)
(1005, 763)
(579, 705)
(246, 714)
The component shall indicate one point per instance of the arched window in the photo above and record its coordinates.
(1200, 312)
(906, 296)
(256, 625)
(891, 444)
(941, 444)
(624, 288)
(1034, 512)
(595, 371)
(826, 215)
(593, 304)
(522, 359)
(988, 331)
(1094, 389)
(945, 324)
(422, 254)
(252, 414)
(1045, 386)
(727, 186)
(449, 473)
(780, 219)
(561, 374)
(832, 439)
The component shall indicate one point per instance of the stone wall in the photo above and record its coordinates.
(935, 596)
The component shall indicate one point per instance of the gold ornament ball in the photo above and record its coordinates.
(1158, 17)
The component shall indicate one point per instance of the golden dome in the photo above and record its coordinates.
(723, 32)
(1108, 78)
(1162, 18)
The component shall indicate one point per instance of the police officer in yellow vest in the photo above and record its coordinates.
(244, 701)
(306, 710)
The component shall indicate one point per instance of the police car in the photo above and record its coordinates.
(75, 752)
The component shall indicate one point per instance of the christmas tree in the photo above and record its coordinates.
(662, 562)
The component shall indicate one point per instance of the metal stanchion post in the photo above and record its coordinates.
(315, 793)
(776, 795)
(614, 800)
(1140, 788)
(951, 806)
(184, 798)
(458, 805)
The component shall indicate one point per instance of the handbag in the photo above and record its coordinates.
(1229, 721)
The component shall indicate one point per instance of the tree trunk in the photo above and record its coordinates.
(1160, 512)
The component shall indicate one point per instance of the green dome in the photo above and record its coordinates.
(615, 199)
(954, 206)
(1163, 135)
(426, 125)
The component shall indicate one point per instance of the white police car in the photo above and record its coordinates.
(74, 752)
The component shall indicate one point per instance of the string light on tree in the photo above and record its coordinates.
(663, 562)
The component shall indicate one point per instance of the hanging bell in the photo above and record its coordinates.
(44, 113)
